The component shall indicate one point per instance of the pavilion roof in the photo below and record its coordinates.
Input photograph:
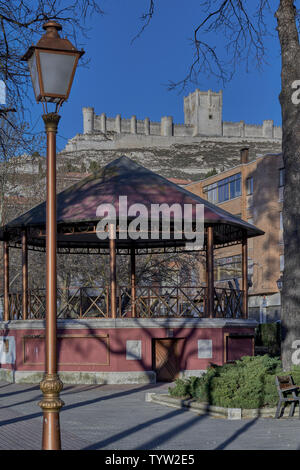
(77, 205)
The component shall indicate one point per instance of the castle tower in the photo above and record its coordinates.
(203, 110)
(88, 120)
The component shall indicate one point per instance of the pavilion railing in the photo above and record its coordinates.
(150, 302)
(155, 301)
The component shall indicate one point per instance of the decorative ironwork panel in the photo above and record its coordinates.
(15, 306)
(36, 304)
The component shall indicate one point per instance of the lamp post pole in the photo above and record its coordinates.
(210, 271)
(52, 64)
(51, 385)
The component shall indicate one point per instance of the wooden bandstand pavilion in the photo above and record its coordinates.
(116, 333)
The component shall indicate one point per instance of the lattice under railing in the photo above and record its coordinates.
(150, 302)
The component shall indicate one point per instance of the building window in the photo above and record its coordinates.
(281, 263)
(212, 192)
(281, 177)
(228, 268)
(249, 185)
(250, 240)
(225, 189)
(250, 267)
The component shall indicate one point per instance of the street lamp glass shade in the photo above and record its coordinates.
(56, 74)
(34, 75)
(279, 283)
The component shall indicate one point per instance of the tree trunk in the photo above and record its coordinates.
(290, 53)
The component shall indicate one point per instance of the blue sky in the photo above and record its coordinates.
(131, 78)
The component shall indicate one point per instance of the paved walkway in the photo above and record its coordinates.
(117, 417)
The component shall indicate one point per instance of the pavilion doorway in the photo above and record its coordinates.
(166, 358)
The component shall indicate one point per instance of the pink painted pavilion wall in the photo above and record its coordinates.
(104, 349)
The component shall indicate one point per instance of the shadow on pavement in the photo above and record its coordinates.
(236, 434)
(109, 396)
(153, 442)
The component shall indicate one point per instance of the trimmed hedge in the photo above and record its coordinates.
(248, 383)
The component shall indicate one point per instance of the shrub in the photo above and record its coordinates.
(268, 336)
(180, 389)
(185, 388)
(94, 166)
(248, 383)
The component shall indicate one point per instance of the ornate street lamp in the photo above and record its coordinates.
(52, 64)
(279, 283)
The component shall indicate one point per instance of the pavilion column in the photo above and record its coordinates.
(6, 279)
(113, 276)
(132, 281)
(210, 271)
(24, 275)
(245, 276)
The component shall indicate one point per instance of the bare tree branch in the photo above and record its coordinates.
(21, 25)
(146, 17)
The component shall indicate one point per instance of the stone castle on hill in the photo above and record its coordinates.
(181, 151)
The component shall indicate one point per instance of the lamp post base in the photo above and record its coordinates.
(51, 404)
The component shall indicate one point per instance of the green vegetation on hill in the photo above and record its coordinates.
(210, 173)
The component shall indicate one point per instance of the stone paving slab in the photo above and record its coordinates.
(117, 417)
(24, 433)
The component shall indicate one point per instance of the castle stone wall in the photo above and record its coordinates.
(202, 117)
(119, 125)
